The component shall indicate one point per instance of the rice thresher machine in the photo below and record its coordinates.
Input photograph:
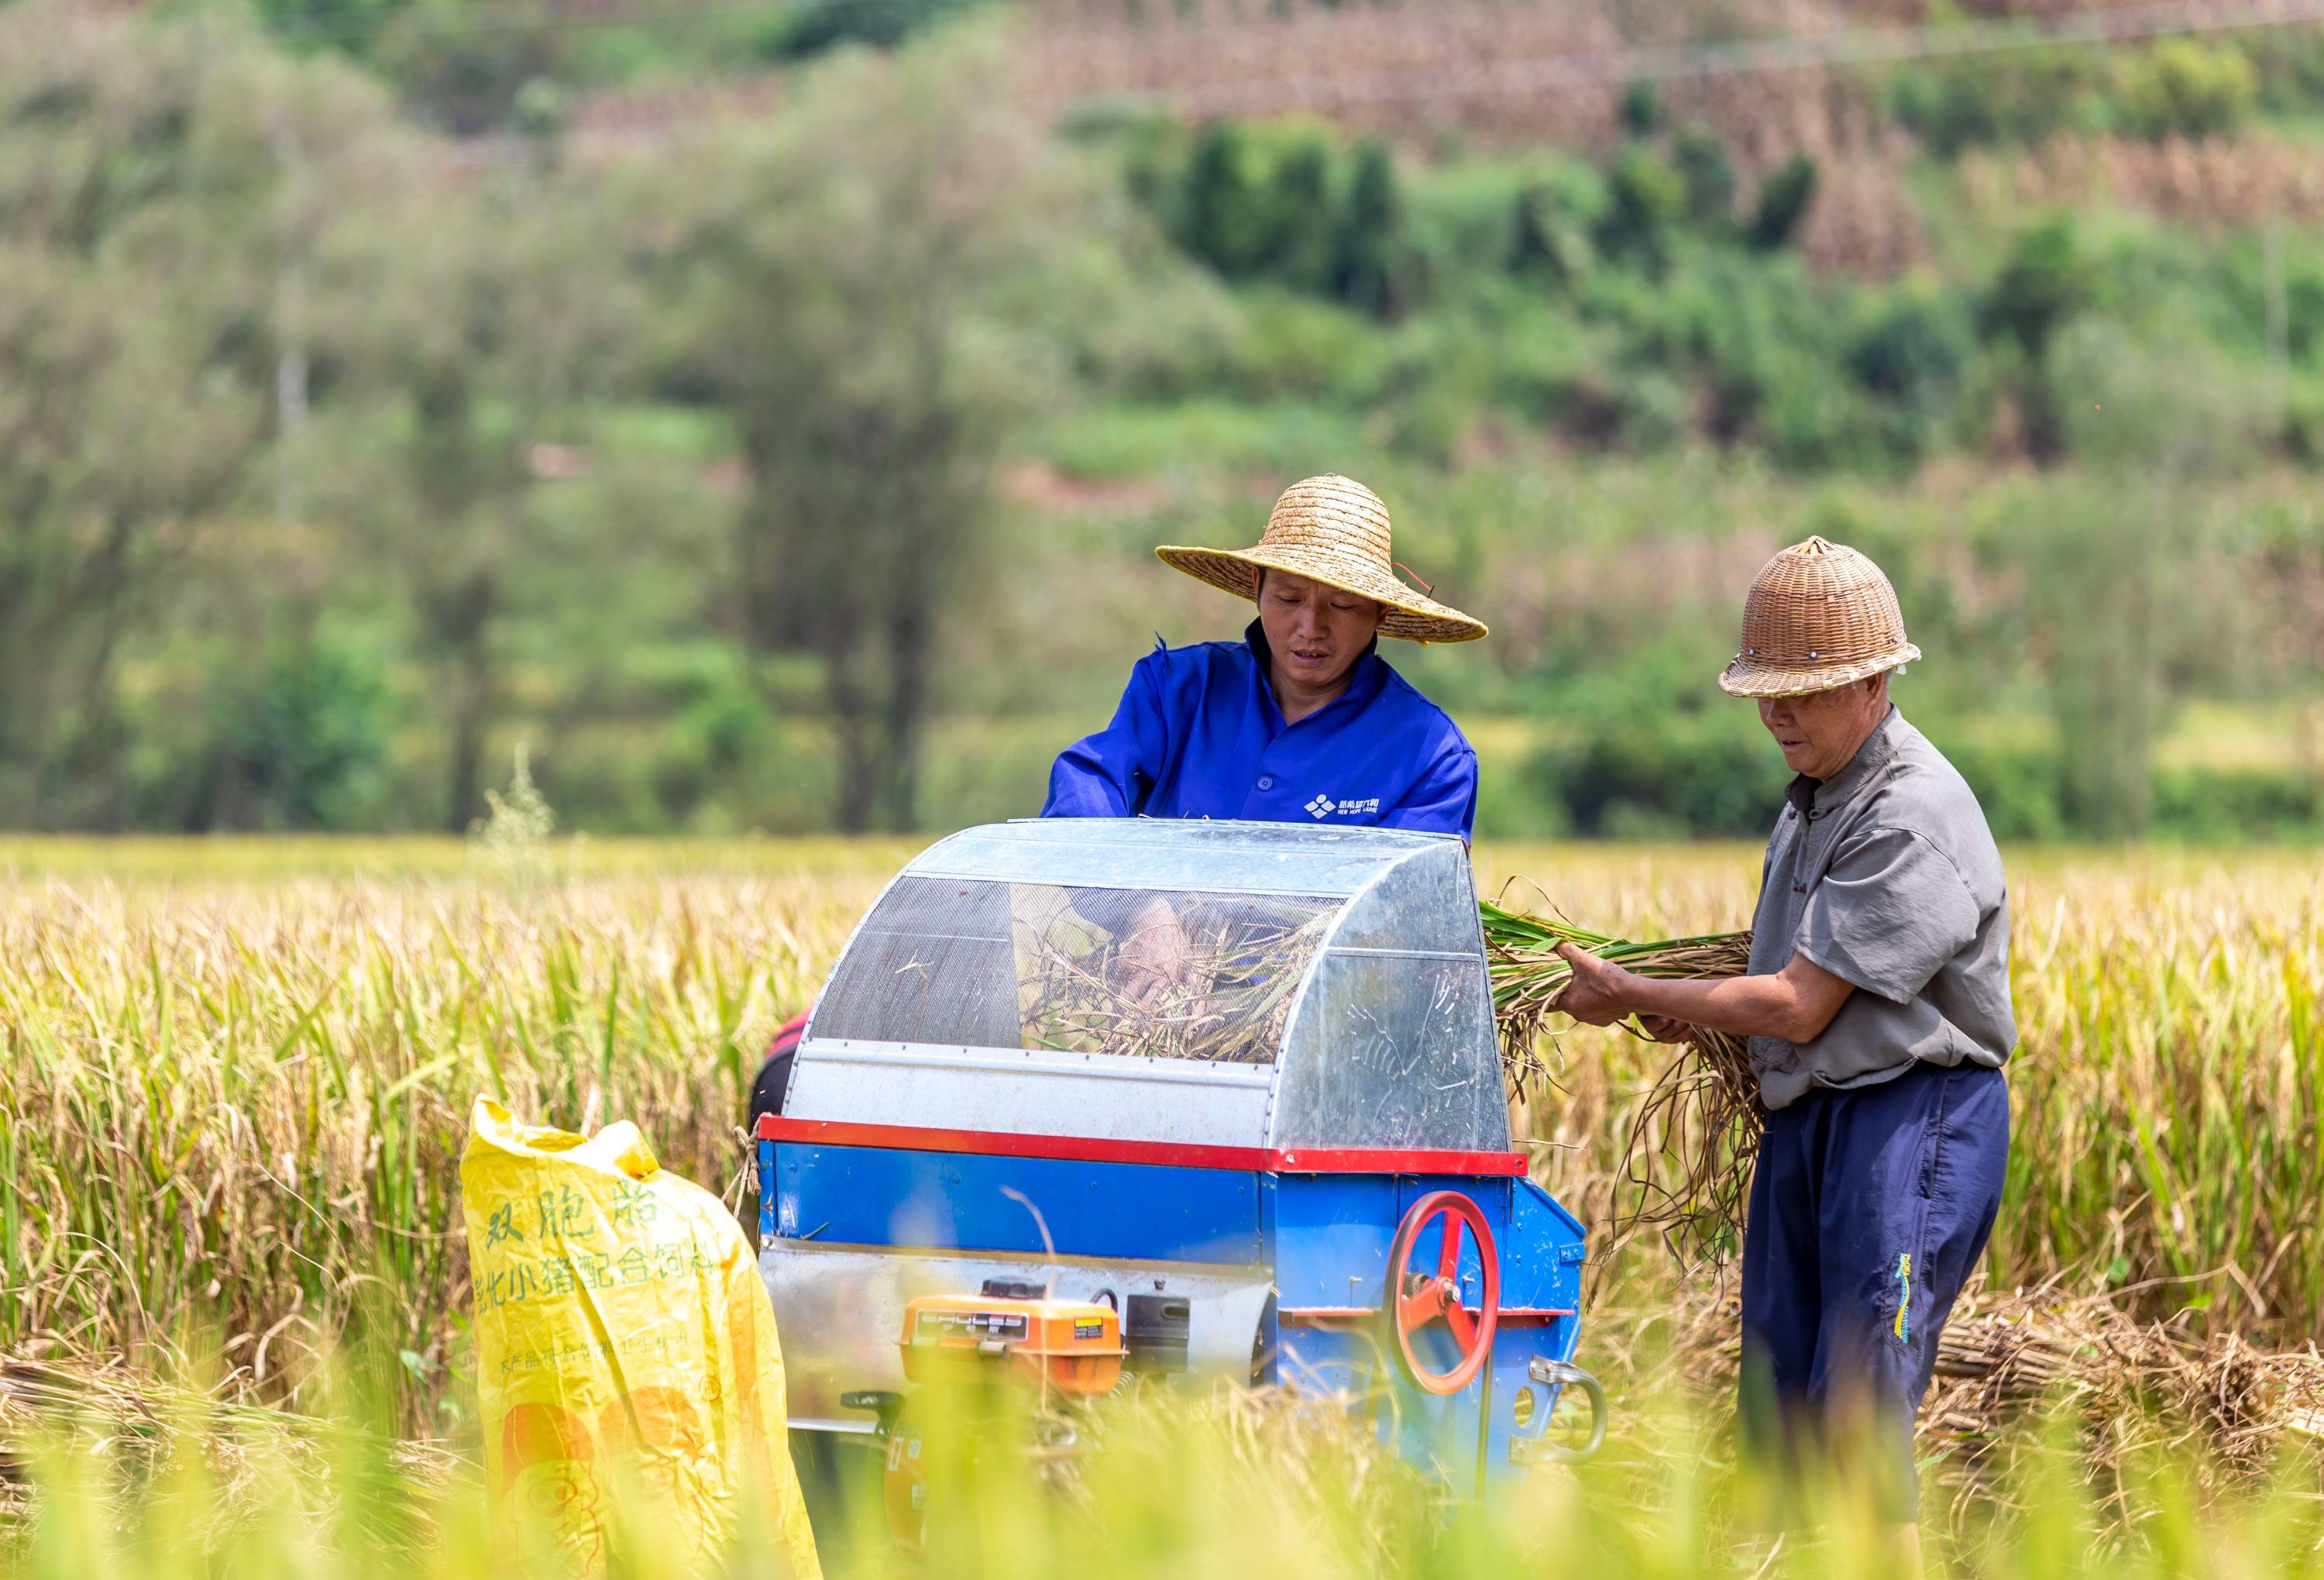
(1182, 1099)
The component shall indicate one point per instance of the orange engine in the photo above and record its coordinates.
(1075, 1346)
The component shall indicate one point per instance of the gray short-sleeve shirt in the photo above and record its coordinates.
(1886, 875)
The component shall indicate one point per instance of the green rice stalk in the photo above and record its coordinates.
(1688, 1154)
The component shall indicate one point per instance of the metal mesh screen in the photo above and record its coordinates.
(976, 964)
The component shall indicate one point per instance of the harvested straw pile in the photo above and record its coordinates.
(1235, 967)
(147, 1421)
(2140, 1393)
(2129, 1392)
(1688, 1154)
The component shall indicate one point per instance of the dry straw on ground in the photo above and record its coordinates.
(2123, 1396)
(2139, 1394)
(145, 1422)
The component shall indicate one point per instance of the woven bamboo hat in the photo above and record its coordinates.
(1333, 529)
(1820, 615)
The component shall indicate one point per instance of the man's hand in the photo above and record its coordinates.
(1154, 955)
(1795, 1004)
(1599, 994)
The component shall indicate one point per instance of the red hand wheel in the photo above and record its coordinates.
(1416, 1299)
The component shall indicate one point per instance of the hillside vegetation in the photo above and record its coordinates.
(417, 383)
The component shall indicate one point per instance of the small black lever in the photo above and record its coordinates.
(884, 1405)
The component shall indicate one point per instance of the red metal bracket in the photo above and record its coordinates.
(776, 1127)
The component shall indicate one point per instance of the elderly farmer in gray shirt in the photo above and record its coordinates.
(1877, 1010)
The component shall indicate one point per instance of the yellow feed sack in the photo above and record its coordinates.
(624, 1349)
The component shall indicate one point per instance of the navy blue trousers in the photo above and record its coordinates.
(1869, 1208)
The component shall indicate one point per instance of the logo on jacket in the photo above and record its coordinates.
(1322, 807)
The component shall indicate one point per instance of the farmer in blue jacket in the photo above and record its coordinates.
(1302, 721)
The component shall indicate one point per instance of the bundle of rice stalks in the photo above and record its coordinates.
(1220, 988)
(1690, 1143)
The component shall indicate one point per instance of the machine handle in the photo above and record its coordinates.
(886, 1406)
(1559, 1374)
(1416, 1299)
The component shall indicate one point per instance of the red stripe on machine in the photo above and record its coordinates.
(1325, 1316)
(776, 1127)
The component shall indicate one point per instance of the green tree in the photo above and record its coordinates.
(2044, 281)
(2187, 88)
(470, 81)
(1912, 351)
(2002, 95)
(1363, 250)
(813, 29)
(471, 326)
(1644, 200)
(834, 280)
(1655, 187)
(2149, 425)
(349, 25)
(1641, 109)
(1222, 207)
(1299, 215)
(1784, 199)
(1708, 176)
(300, 744)
(156, 199)
(1547, 236)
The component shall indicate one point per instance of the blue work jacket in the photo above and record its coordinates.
(1198, 735)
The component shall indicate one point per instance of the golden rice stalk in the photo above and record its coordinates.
(1226, 999)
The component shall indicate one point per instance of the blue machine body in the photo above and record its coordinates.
(1238, 1233)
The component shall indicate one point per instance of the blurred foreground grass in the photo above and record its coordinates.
(1228, 1482)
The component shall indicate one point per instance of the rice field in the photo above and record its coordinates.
(234, 1078)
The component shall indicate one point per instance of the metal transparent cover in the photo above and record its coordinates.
(969, 962)
(1351, 960)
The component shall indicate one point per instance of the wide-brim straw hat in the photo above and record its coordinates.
(1820, 615)
(1332, 530)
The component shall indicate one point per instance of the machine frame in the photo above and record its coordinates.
(1348, 1217)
